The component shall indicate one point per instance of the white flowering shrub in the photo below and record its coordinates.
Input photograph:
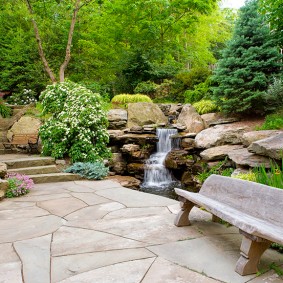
(25, 97)
(78, 125)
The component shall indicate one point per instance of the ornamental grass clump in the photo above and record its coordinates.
(78, 124)
(18, 185)
(125, 99)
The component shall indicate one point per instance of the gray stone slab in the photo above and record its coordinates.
(95, 212)
(99, 185)
(131, 198)
(137, 212)
(70, 186)
(126, 272)
(26, 212)
(11, 272)
(218, 152)
(22, 229)
(268, 277)
(63, 206)
(90, 198)
(8, 204)
(35, 198)
(67, 266)
(156, 229)
(165, 271)
(70, 240)
(215, 256)
(8, 254)
(35, 256)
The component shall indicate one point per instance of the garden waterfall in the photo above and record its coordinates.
(157, 176)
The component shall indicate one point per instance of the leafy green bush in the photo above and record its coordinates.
(95, 170)
(273, 121)
(199, 92)
(205, 106)
(124, 99)
(18, 185)
(27, 96)
(5, 111)
(77, 126)
(148, 88)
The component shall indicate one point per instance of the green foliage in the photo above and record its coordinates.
(249, 63)
(95, 170)
(274, 95)
(246, 176)
(25, 97)
(18, 185)
(200, 91)
(273, 121)
(148, 88)
(5, 111)
(272, 177)
(205, 106)
(78, 125)
(219, 169)
(125, 99)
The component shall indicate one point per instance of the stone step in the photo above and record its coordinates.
(54, 177)
(29, 162)
(36, 170)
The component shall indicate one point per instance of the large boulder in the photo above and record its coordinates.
(177, 159)
(144, 113)
(191, 119)
(271, 147)
(126, 181)
(220, 135)
(117, 118)
(250, 137)
(3, 170)
(117, 163)
(25, 125)
(218, 152)
(242, 157)
(212, 119)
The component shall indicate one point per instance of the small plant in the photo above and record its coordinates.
(125, 99)
(218, 169)
(246, 176)
(18, 185)
(205, 106)
(273, 121)
(95, 170)
(5, 111)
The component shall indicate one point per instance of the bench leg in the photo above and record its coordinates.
(182, 218)
(252, 248)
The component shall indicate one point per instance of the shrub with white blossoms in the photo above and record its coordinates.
(78, 125)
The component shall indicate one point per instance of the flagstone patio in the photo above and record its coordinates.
(98, 231)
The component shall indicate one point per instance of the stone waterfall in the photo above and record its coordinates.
(157, 177)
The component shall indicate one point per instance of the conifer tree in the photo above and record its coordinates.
(250, 61)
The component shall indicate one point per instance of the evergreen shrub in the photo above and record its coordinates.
(78, 125)
(95, 170)
(5, 111)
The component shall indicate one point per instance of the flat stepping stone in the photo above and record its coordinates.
(29, 162)
(54, 177)
(36, 170)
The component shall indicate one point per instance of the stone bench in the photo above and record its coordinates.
(29, 141)
(255, 209)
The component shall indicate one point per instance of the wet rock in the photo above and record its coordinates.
(176, 159)
(271, 147)
(135, 168)
(191, 119)
(126, 181)
(243, 157)
(143, 113)
(220, 135)
(218, 152)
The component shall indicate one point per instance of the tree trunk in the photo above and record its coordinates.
(40, 49)
(68, 47)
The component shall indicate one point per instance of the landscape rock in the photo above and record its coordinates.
(212, 119)
(175, 109)
(3, 170)
(271, 147)
(191, 119)
(130, 148)
(140, 139)
(250, 137)
(218, 152)
(135, 168)
(179, 127)
(144, 113)
(243, 157)
(188, 143)
(3, 188)
(25, 125)
(126, 181)
(220, 135)
(114, 134)
(176, 159)
(117, 163)
(117, 115)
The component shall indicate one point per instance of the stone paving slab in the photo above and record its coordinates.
(107, 233)
(67, 266)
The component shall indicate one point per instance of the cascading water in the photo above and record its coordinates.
(157, 177)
